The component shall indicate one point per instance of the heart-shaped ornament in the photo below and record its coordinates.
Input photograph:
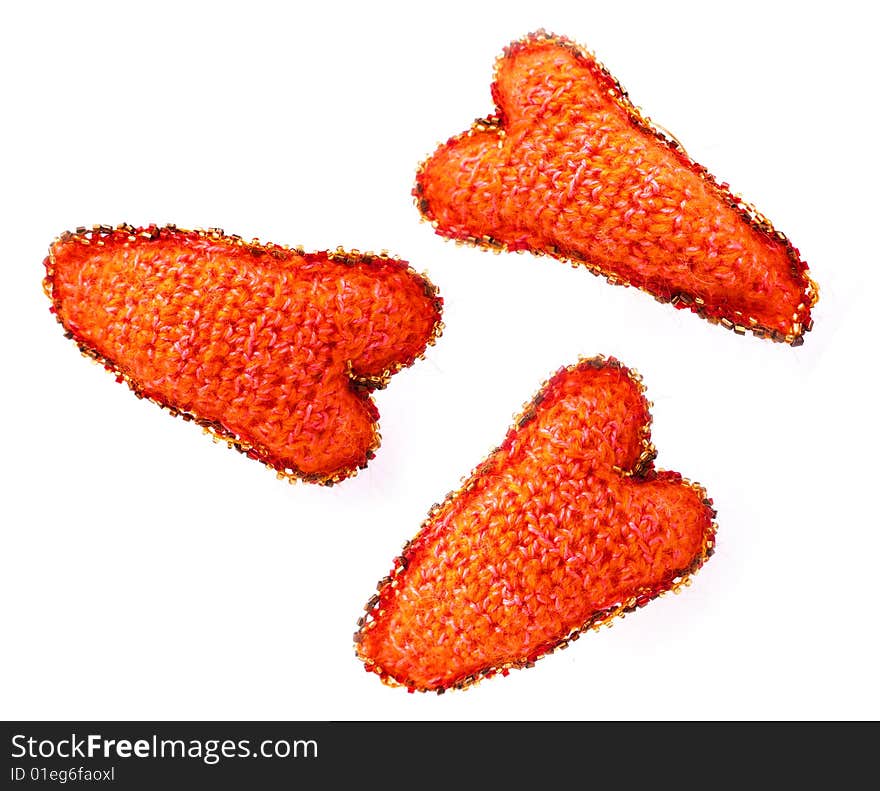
(565, 526)
(270, 348)
(568, 167)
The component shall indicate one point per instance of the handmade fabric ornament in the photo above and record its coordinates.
(565, 526)
(272, 349)
(567, 166)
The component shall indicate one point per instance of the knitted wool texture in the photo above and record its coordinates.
(269, 348)
(568, 167)
(563, 527)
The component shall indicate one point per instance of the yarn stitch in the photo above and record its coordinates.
(565, 526)
(272, 349)
(568, 167)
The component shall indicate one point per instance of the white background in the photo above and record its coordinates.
(150, 573)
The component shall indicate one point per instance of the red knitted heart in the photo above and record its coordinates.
(563, 527)
(272, 349)
(570, 168)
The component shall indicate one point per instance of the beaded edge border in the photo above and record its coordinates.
(675, 581)
(362, 386)
(618, 94)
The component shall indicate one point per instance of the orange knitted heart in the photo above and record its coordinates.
(568, 167)
(272, 349)
(563, 527)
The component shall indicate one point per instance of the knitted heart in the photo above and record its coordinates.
(570, 168)
(271, 349)
(565, 526)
